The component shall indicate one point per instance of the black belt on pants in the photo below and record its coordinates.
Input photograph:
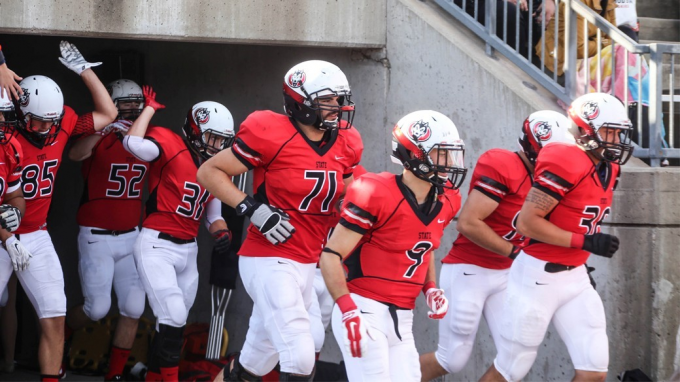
(111, 232)
(556, 268)
(393, 313)
(176, 240)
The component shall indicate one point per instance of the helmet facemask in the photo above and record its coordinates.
(8, 125)
(604, 138)
(40, 138)
(528, 144)
(442, 166)
(310, 110)
(130, 113)
(205, 143)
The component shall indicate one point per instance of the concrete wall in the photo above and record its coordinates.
(347, 23)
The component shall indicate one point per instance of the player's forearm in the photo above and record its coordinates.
(217, 225)
(481, 234)
(538, 228)
(431, 270)
(16, 199)
(82, 149)
(138, 128)
(333, 275)
(104, 109)
(219, 184)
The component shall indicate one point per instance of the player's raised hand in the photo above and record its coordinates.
(10, 217)
(18, 253)
(150, 98)
(121, 125)
(437, 302)
(356, 328)
(9, 83)
(72, 59)
(271, 221)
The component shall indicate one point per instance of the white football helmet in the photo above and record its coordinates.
(42, 101)
(308, 81)
(8, 118)
(541, 128)
(126, 91)
(590, 113)
(419, 136)
(209, 128)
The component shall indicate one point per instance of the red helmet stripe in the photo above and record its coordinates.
(297, 97)
(403, 140)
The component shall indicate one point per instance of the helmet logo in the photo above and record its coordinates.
(590, 110)
(297, 79)
(420, 131)
(202, 115)
(25, 98)
(542, 131)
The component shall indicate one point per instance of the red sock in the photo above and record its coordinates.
(152, 376)
(117, 360)
(272, 376)
(170, 374)
(49, 378)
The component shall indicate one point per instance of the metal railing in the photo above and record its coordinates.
(516, 40)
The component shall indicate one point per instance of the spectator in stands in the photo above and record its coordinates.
(626, 18)
(532, 19)
(605, 8)
(480, 7)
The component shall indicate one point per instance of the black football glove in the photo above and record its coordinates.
(601, 244)
(222, 241)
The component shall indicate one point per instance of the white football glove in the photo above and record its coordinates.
(437, 302)
(121, 125)
(10, 217)
(18, 253)
(271, 221)
(72, 59)
(355, 327)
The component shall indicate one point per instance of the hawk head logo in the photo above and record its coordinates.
(590, 110)
(420, 131)
(542, 131)
(25, 98)
(202, 115)
(297, 79)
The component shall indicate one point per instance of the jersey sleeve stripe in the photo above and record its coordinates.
(352, 227)
(241, 159)
(361, 214)
(493, 184)
(555, 180)
(246, 151)
(13, 186)
(548, 191)
(491, 195)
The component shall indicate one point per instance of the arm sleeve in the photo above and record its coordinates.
(84, 127)
(490, 178)
(213, 212)
(142, 148)
(252, 146)
(361, 207)
(552, 174)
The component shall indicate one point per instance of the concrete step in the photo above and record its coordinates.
(662, 9)
(661, 29)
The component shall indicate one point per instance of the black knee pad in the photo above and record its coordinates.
(297, 377)
(239, 373)
(169, 345)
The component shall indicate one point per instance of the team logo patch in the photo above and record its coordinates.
(542, 131)
(202, 115)
(420, 131)
(25, 98)
(297, 79)
(590, 110)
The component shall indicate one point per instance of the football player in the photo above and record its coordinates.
(302, 162)
(548, 281)
(477, 266)
(165, 250)
(389, 228)
(108, 218)
(45, 126)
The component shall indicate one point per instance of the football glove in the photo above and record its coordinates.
(121, 125)
(18, 253)
(150, 98)
(72, 59)
(355, 327)
(222, 242)
(437, 302)
(601, 244)
(271, 221)
(10, 217)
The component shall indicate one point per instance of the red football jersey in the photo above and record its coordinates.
(11, 157)
(297, 175)
(391, 261)
(40, 166)
(502, 176)
(567, 173)
(176, 199)
(114, 178)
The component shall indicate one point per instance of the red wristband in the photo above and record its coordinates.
(345, 303)
(428, 285)
(577, 240)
